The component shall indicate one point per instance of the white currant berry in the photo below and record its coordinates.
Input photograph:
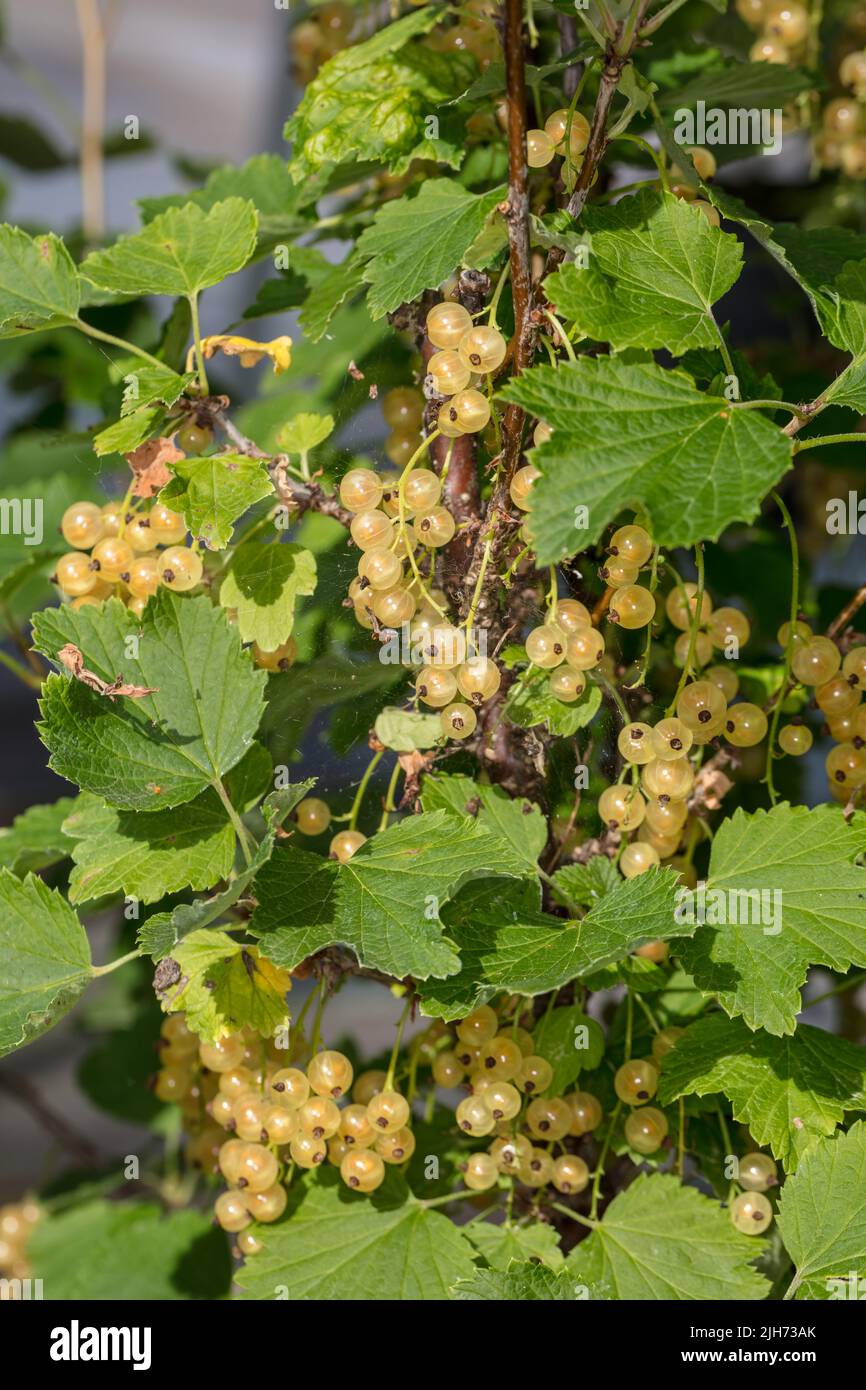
(637, 858)
(636, 1082)
(231, 1212)
(751, 1213)
(360, 490)
(449, 372)
(480, 1172)
(371, 529)
(268, 1204)
(388, 1111)
(671, 739)
(166, 527)
(82, 525)
(757, 1172)
(546, 646)
(307, 1150)
(473, 1116)
(180, 568)
(396, 1147)
(646, 1130)
(635, 743)
(330, 1074)
(520, 487)
(584, 648)
(458, 721)
(478, 679)
(74, 574)
(446, 324)
(482, 349)
(312, 816)
(363, 1170)
(435, 527)
(570, 1174)
(745, 725)
(403, 408)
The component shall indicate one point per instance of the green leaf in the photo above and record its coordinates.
(500, 1246)
(585, 884)
(330, 293)
(225, 985)
(284, 208)
(814, 910)
(571, 1041)
(214, 493)
(130, 1251)
(660, 1240)
(520, 1283)
(125, 434)
(789, 1091)
(639, 435)
(385, 902)
(655, 270)
(405, 729)
(516, 820)
(415, 242)
(147, 856)
(262, 584)
(822, 1216)
(334, 1245)
(46, 959)
(35, 839)
(506, 943)
(38, 283)
(760, 85)
(303, 432)
(145, 384)
(163, 749)
(182, 251)
(530, 703)
(371, 102)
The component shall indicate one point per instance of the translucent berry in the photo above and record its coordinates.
(368, 1085)
(82, 525)
(540, 149)
(231, 1212)
(725, 678)
(757, 1172)
(681, 604)
(474, 1117)
(478, 679)
(646, 1130)
(446, 324)
(584, 648)
(635, 743)
(180, 568)
(636, 1082)
(567, 684)
(701, 703)
(510, 1151)
(548, 1118)
(363, 1170)
(421, 489)
(458, 721)
(632, 544)
(482, 349)
(795, 739)
(745, 725)
(671, 739)
(282, 658)
(267, 1205)
(371, 529)
(815, 661)
(632, 606)
(307, 1150)
(480, 1172)
(751, 1213)
(520, 488)
(344, 844)
(435, 527)
(537, 1170)
(673, 779)
(396, 1147)
(449, 372)
(360, 490)
(546, 646)
(636, 858)
(112, 557)
(312, 816)
(290, 1087)
(166, 527)
(403, 408)
(387, 1112)
(257, 1168)
(621, 807)
(469, 410)
(501, 1058)
(570, 1173)
(223, 1054)
(727, 625)
(74, 574)
(478, 1027)
(837, 696)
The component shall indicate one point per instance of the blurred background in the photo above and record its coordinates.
(210, 82)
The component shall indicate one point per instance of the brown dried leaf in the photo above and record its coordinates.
(71, 657)
(149, 464)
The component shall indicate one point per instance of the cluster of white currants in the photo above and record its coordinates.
(117, 552)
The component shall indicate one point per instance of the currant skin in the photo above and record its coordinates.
(330, 1074)
(82, 525)
(751, 1213)
(181, 569)
(646, 1129)
(344, 844)
(636, 1082)
(363, 1170)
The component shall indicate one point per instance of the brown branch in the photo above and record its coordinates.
(841, 621)
(300, 496)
